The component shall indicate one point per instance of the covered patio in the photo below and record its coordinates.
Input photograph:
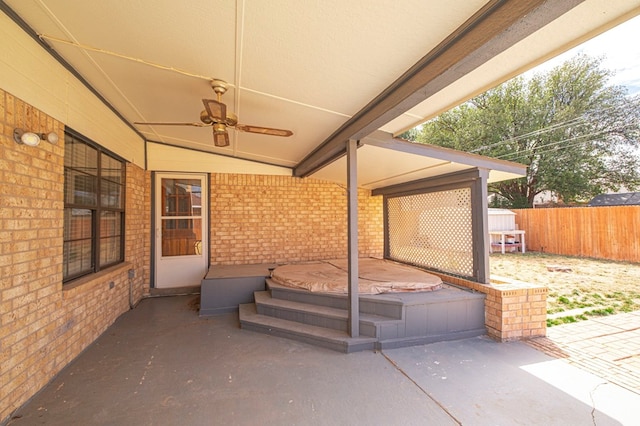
(161, 364)
(146, 143)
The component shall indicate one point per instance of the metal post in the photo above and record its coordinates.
(480, 208)
(352, 217)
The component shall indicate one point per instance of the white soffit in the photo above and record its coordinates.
(383, 162)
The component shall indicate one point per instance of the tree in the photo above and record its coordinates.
(578, 136)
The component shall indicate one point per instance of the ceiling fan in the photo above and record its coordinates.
(215, 115)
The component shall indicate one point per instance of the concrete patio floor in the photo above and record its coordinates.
(160, 364)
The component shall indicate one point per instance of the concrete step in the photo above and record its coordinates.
(318, 315)
(336, 340)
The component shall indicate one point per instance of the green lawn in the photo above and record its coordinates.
(590, 288)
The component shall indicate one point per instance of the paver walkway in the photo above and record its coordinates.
(608, 347)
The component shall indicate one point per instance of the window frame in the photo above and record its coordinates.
(97, 209)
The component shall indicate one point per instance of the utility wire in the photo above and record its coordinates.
(577, 140)
(550, 128)
(530, 134)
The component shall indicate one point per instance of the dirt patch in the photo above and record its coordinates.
(577, 286)
(194, 304)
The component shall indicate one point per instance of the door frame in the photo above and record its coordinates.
(155, 220)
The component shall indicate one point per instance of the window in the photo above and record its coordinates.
(93, 208)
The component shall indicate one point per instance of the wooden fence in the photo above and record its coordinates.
(597, 232)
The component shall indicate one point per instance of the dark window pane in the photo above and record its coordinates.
(77, 224)
(77, 258)
(79, 188)
(110, 224)
(109, 250)
(110, 194)
(80, 156)
(111, 169)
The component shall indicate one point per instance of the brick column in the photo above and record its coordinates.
(514, 310)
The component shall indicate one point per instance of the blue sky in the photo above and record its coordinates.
(620, 48)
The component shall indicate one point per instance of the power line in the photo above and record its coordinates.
(577, 140)
(550, 128)
(530, 134)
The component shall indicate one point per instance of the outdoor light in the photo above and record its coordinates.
(26, 138)
(33, 139)
(52, 138)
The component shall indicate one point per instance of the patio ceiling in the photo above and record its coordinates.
(328, 70)
(405, 161)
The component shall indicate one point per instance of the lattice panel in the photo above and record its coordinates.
(433, 230)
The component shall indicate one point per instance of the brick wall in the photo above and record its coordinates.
(274, 219)
(138, 229)
(31, 215)
(44, 326)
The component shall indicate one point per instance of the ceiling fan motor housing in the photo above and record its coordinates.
(204, 117)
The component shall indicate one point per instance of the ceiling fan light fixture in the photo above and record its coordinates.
(221, 139)
(220, 135)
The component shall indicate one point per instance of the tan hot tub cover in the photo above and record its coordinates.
(375, 276)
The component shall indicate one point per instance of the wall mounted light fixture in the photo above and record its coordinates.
(32, 138)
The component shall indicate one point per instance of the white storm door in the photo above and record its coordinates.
(181, 230)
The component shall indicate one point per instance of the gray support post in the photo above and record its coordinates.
(352, 217)
(480, 211)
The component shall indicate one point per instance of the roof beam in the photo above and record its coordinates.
(493, 29)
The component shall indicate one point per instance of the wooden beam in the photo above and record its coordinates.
(493, 29)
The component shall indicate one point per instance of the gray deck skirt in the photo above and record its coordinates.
(226, 287)
(386, 320)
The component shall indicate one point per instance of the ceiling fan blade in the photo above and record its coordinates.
(216, 110)
(264, 130)
(171, 124)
